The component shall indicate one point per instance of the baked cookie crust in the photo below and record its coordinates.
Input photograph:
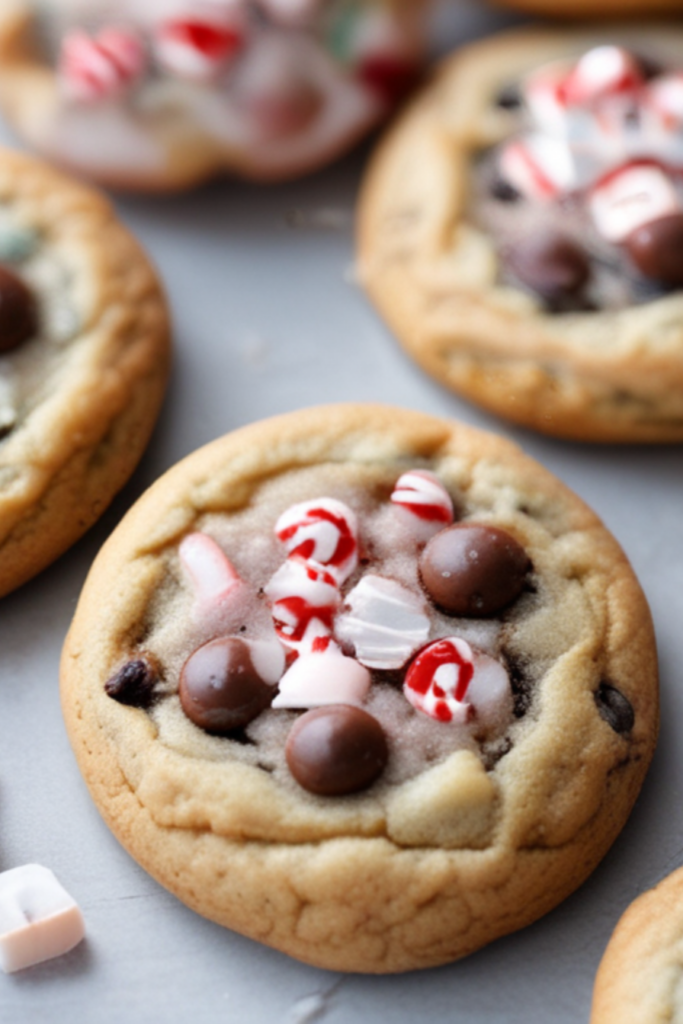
(87, 395)
(412, 872)
(587, 9)
(639, 978)
(609, 375)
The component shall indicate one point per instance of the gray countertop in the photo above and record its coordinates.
(268, 320)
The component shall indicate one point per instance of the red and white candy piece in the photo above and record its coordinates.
(96, 68)
(322, 676)
(635, 195)
(385, 622)
(219, 590)
(451, 683)
(664, 98)
(384, 54)
(304, 600)
(324, 531)
(423, 503)
(200, 47)
(540, 167)
(605, 71)
(38, 918)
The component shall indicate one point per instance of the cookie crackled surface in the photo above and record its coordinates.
(84, 358)
(521, 230)
(304, 714)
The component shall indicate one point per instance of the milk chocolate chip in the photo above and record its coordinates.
(220, 690)
(336, 750)
(473, 570)
(18, 311)
(657, 249)
(134, 684)
(550, 264)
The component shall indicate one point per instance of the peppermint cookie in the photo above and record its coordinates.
(639, 980)
(84, 357)
(163, 94)
(370, 687)
(522, 231)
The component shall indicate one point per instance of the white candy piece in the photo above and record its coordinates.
(38, 918)
(323, 677)
(664, 96)
(539, 167)
(304, 599)
(634, 196)
(218, 589)
(544, 98)
(324, 531)
(489, 691)
(386, 623)
(423, 502)
(603, 71)
(268, 658)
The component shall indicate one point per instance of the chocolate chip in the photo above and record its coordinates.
(657, 249)
(220, 690)
(473, 570)
(550, 264)
(509, 98)
(336, 750)
(504, 192)
(18, 311)
(614, 708)
(134, 684)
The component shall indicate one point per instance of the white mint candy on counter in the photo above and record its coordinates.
(632, 197)
(323, 677)
(385, 622)
(324, 531)
(38, 918)
(424, 503)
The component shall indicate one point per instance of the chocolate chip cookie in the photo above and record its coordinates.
(84, 354)
(367, 686)
(522, 230)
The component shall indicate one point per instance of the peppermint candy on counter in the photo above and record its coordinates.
(324, 531)
(219, 592)
(385, 622)
(39, 920)
(323, 676)
(304, 599)
(635, 195)
(423, 502)
(96, 68)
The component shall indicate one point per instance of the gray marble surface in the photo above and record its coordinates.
(267, 320)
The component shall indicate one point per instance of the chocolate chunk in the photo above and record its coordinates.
(614, 708)
(134, 684)
(509, 98)
(336, 750)
(504, 192)
(550, 264)
(18, 311)
(473, 570)
(220, 690)
(657, 249)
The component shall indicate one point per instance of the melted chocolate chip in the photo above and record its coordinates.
(504, 192)
(134, 684)
(473, 570)
(220, 690)
(509, 98)
(550, 264)
(336, 750)
(18, 311)
(614, 708)
(657, 249)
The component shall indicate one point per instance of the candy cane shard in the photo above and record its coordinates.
(423, 503)
(322, 676)
(635, 195)
(604, 71)
(385, 622)
(438, 680)
(218, 589)
(96, 68)
(304, 600)
(39, 920)
(325, 532)
(199, 48)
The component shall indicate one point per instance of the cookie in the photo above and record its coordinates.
(638, 981)
(162, 95)
(597, 9)
(83, 362)
(370, 687)
(521, 227)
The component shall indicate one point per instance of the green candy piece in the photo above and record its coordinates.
(342, 28)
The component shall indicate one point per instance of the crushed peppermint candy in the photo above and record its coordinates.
(96, 68)
(324, 532)
(424, 502)
(385, 623)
